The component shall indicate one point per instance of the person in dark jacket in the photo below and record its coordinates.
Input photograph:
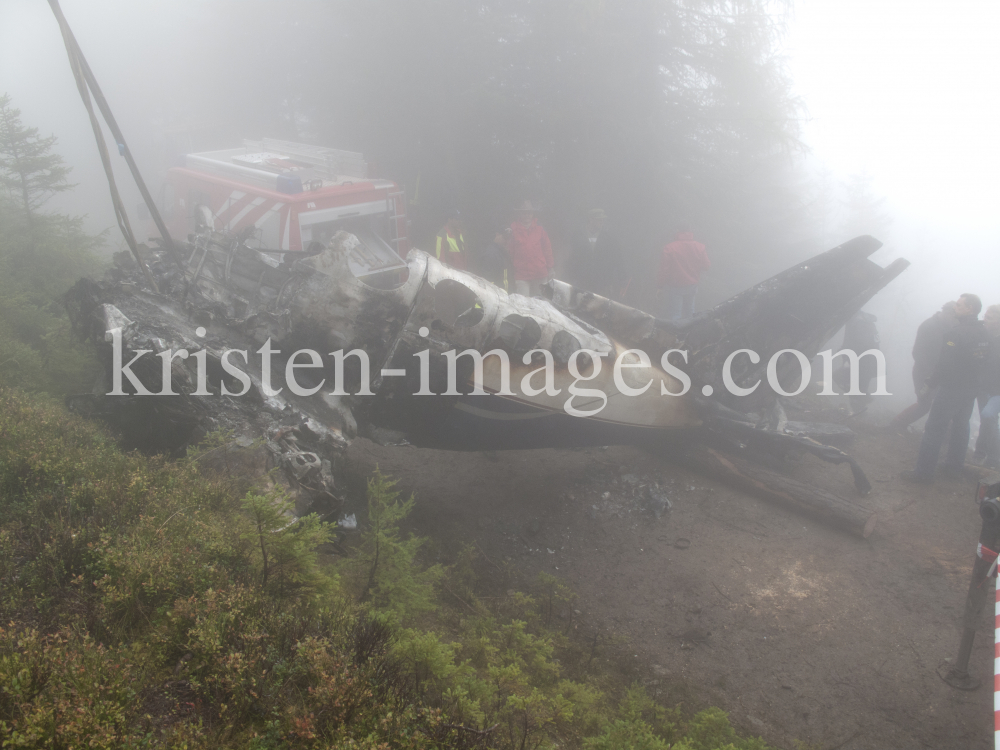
(987, 451)
(958, 378)
(493, 263)
(596, 264)
(926, 350)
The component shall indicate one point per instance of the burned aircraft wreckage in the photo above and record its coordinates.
(355, 293)
(243, 289)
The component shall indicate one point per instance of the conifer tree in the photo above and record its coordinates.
(29, 170)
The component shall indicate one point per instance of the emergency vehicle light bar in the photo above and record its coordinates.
(211, 163)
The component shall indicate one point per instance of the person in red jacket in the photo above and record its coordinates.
(530, 252)
(681, 265)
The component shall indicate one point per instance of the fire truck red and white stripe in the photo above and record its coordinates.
(291, 194)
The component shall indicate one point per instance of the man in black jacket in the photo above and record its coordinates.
(926, 350)
(493, 263)
(958, 378)
(596, 263)
(988, 445)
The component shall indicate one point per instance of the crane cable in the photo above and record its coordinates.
(75, 57)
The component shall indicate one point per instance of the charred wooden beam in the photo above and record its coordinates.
(770, 485)
(779, 443)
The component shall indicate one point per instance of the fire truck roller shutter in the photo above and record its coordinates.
(325, 215)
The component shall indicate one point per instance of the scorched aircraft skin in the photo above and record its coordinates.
(329, 301)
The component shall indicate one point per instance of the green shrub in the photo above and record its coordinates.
(394, 582)
(151, 606)
(65, 690)
(710, 730)
(38, 351)
(623, 733)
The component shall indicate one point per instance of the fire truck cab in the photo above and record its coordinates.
(289, 199)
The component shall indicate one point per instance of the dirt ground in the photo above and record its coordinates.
(801, 632)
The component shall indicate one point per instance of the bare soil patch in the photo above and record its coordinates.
(802, 632)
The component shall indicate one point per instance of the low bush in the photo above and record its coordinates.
(147, 604)
(38, 351)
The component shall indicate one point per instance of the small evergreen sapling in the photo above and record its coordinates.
(396, 583)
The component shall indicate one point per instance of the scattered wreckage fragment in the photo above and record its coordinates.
(426, 328)
(305, 446)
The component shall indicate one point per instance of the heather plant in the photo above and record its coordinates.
(710, 730)
(147, 604)
(65, 690)
(641, 723)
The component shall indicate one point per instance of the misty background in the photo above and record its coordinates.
(777, 130)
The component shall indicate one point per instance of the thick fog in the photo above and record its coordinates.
(909, 94)
(827, 120)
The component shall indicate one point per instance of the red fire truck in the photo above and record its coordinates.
(291, 197)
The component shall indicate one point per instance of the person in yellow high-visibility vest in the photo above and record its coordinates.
(449, 246)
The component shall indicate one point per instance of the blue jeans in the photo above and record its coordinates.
(952, 406)
(989, 429)
(678, 302)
